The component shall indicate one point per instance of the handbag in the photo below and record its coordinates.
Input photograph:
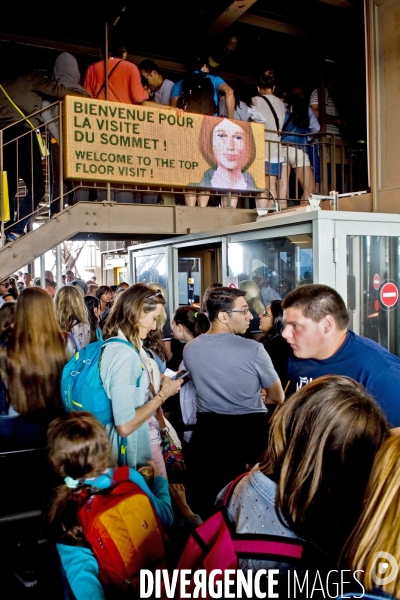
(172, 453)
(43, 149)
(109, 75)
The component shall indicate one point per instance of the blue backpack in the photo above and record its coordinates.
(82, 388)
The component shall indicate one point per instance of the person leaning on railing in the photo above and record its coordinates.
(66, 72)
(21, 155)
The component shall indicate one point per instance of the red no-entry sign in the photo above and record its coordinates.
(389, 294)
(377, 281)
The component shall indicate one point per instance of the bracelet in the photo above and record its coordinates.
(159, 394)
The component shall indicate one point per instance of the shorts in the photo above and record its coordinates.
(274, 169)
(295, 157)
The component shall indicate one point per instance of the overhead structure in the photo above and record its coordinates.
(229, 16)
(98, 219)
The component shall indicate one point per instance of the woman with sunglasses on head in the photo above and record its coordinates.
(136, 390)
(271, 323)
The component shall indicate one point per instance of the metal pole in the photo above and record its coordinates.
(106, 80)
(42, 272)
(58, 266)
(2, 199)
(106, 59)
(61, 150)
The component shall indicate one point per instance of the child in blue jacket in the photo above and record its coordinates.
(80, 452)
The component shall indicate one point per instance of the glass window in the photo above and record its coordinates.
(373, 276)
(151, 268)
(269, 269)
(279, 263)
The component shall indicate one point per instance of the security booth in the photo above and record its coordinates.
(356, 253)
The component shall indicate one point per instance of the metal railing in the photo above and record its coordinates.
(322, 164)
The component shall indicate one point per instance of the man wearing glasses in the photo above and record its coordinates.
(234, 379)
(159, 87)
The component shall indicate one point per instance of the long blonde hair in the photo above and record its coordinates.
(31, 361)
(161, 320)
(378, 529)
(252, 296)
(323, 443)
(70, 307)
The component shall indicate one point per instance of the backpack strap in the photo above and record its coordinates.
(109, 75)
(259, 545)
(118, 339)
(121, 474)
(231, 487)
(72, 338)
(121, 441)
(17, 108)
(273, 112)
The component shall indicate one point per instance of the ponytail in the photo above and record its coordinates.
(195, 321)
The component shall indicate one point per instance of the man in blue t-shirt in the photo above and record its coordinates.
(220, 88)
(316, 327)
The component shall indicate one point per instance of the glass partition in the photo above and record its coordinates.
(268, 269)
(280, 264)
(373, 277)
(151, 268)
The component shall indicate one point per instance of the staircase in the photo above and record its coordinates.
(110, 219)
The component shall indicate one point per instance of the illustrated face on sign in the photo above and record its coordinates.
(229, 145)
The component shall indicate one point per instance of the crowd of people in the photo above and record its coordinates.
(290, 121)
(308, 415)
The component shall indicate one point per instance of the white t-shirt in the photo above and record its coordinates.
(273, 151)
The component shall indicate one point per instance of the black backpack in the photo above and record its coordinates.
(198, 94)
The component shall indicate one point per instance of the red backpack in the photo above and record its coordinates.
(216, 545)
(124, 531)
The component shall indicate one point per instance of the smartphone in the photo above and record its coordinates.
(182, 375)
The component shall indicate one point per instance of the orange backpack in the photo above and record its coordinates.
(124, 531)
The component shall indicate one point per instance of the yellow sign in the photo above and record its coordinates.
(125, 143)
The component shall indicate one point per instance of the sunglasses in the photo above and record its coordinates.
(5, 284)
(158, 294)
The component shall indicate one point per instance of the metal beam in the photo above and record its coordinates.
(112, 218)
(271, 24)
(339, 3)
(170, 66)
(229, 16)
